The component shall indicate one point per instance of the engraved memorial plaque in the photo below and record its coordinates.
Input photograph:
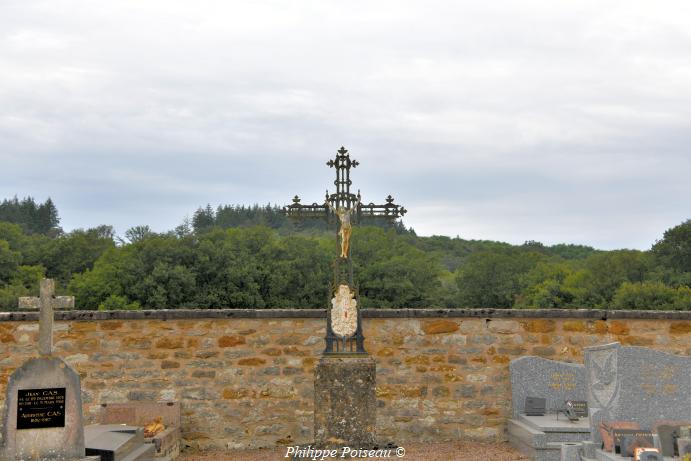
(39, 408)
(570, 411)
(580, 407)
(535, 406)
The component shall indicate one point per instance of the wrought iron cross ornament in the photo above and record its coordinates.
(344, 322)
(343, 197)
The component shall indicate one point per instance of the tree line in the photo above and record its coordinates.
(254, 257)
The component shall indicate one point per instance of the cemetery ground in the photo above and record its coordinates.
(439, 451)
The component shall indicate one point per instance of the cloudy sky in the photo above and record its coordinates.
(557, 121)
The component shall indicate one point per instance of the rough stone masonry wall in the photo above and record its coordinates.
(245, 377)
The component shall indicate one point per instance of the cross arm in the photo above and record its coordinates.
(33, 303)
(298, 210)
(389, 210)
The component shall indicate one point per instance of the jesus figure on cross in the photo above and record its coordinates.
(344, 215)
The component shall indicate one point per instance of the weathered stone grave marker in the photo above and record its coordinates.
(42, 419)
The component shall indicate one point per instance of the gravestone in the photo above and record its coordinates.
(42, 419)
(541, 437)
(636, 384)
(554, 381)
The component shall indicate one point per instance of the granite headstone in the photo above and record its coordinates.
(636, 384)
(555, 381)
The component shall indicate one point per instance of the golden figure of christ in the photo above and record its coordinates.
(344, 216)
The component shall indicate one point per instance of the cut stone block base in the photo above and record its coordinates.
(345, 403)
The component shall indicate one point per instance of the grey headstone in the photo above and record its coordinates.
(636, 384)
(537, 377)
(63, 443)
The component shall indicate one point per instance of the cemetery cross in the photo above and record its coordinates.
(47, 302)
(344, 322)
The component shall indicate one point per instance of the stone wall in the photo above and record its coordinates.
(245, 377)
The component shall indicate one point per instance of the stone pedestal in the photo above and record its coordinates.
(345, 403)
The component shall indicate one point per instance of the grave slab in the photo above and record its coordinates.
(541, 437)
(117, 442)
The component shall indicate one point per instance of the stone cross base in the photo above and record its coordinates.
(345, 403)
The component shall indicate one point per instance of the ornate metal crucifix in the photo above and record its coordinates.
(344, 322)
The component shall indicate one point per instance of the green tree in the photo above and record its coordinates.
(604, 273)
(651, 295)
(138, 233)
(9, 260)
(33, 218)
(391, 272)
(674, 249)
(490, 279)
(75, 252)
(297, 273)
(107, 277)
(118, 303)
(544, 287)
(24, 282)
(203, 219)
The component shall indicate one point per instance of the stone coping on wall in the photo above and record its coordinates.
(183, 314)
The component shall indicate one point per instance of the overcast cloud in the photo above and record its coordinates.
(557, 121)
